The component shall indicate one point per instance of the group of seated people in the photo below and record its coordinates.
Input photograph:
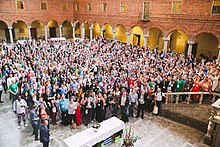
(78, 81)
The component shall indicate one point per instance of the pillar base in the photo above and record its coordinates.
(208, 140)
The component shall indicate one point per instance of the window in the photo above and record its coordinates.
(177, 6)
(89, 7)
(123, 8)
(19, 4)
(77, 7)
(104, 7)
(216, 7)
(64, 6)
(43, 6)
(146, 11)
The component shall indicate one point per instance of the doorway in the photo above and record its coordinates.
(34, 33)
(136, 39)
(53, 32)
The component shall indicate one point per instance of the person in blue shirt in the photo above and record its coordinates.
(63, 90)
(34, 121)
(63, 109)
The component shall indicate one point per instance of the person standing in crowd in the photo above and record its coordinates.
(99, 107)
(158, 97)
(63, 109)
(19, 107)
(44, 134)
(142, 98)
(206, 85)
(123, 104)
(87, 111)
(133, 97)
(53, 111)
(78, 113)
(113, 104)
(13, 90)
(72, 106)
(9, 82)
(34, 121)
(196, 87)
(1, 89)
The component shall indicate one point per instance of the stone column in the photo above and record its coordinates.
(145, 39)
(218, 59)
(90, 32)
(82, 31)
(113, 35)
(45, 32)
(165, 44)
(189, 52)
(74, 31)
(128, 38)
(29, 32)
(102, 32)
(60, 28)
(11, 35)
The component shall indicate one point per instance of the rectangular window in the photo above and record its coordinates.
(64, 6)
(123, 8)
(43, 6)
(177, 6)
(104, 7)
(77, 7)
(19, 4)
(146, 11)
(216, 7)
(89, 7)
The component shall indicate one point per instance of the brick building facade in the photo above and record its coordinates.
(183, 25)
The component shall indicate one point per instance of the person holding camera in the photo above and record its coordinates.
(19, 107)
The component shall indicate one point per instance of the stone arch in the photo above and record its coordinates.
(37, 29)
(77, 29)
(155, 38)
(53, 28)
(20, 30)
(136, 25)
(206, 45)
(4, 32)
(108, 34)
(96, 29)
(67, 29)
(177, 40)
(136, 36)
(121, 33)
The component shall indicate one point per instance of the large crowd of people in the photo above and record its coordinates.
(77, 81)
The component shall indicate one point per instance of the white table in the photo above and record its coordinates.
(88, 137)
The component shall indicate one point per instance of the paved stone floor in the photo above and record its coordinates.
(154, 132)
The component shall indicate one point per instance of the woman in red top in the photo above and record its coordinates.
(78, 115)
(196, 87)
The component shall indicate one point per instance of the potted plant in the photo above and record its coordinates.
(128, 138)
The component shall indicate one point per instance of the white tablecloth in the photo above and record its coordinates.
(88, 137)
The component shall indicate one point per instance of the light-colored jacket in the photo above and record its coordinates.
(19, 106)
(215, 82)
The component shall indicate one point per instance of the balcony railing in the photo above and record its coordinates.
(189, 95)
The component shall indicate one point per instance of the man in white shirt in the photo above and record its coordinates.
(158, 96)
(19, 107)
(133, 96)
